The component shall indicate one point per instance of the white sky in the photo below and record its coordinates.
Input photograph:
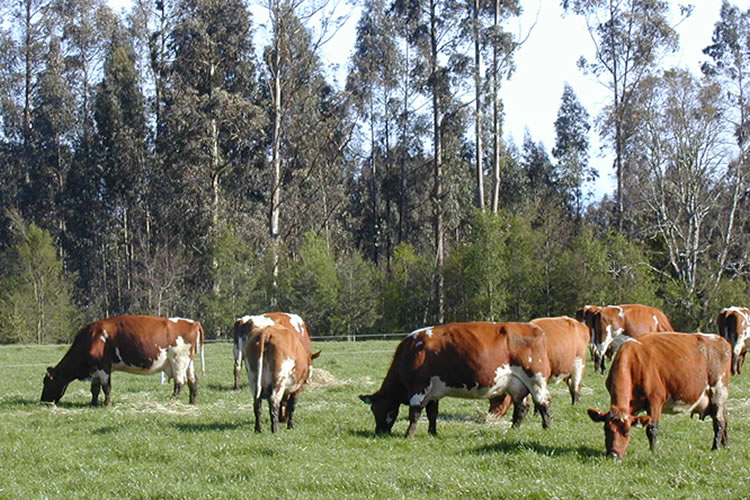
(545, 62)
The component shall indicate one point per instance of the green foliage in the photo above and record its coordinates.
(407, 290)
(358, 303)
(315, 285)
(236, 291)
(476, 272)
(35, 295)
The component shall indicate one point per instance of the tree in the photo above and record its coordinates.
(36, 300)
(572, 148)
(630, 37)
(731, 65)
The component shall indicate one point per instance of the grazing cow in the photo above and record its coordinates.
(465, 360)
(585, 315)
(567, 342)
(135, 344)
(734, 325)
(612, 325)
(670, 372)
(278, 365)
(247, 325)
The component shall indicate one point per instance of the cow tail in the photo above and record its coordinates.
(202, 342)
(261, 352)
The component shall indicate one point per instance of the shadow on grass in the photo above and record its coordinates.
(209, 427)
(372, 434)
(19, 401)
(222, 387)
(516, 447)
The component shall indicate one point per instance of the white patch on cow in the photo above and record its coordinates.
(508, 379)
(177, 319)
(297, 323)
(697, 406)
(602, 348)
(530, 360)
(426, 330)
(104, 336)
(579, 364)
(719, 396)
(261, 321)
(419, 344)
(621, 313)
(656, 322)
(244, 319)
(179, 359)
(100, 375)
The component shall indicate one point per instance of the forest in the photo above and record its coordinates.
(170, 160)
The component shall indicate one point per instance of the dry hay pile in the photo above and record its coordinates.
(321, 378)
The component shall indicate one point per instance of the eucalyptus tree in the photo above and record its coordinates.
(373, 82)
(122, 156)
(630, 37)
(294, 83)
(572, 148)
(53, 134)
(682, 158)
(730, 64)
(210, 121)
(435, 35)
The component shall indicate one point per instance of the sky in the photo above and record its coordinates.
(545, 62)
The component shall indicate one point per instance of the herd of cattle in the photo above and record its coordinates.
(653, 368)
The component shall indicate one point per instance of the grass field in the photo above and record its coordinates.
(147, 447)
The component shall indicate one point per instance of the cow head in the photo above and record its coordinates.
(384, 409)
(617, 425)
(54, 386)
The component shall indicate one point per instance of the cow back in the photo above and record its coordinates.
(277, 354)
(677, 364)
(567, 339)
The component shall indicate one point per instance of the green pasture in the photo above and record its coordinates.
(145, 446)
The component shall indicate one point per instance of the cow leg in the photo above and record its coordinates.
(107, 388)
(414, 413)
(257, 403)
(288, 407)
(192, 381)
(95, 386)
(432, 413)
(652, 431)
(519, 411)
(237, 368)
(177, 389)
(273, 408)
(500, 405)
(576, 379)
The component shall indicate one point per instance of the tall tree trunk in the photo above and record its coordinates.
(275, 151)
(437, 161)
(496, 116)
(478, 109)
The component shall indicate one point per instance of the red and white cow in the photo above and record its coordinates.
(278, 365)
(135, 344)
(665, 372)
(465, 360)
(585, 315)
(612, 325)
(247, 325)
(733, 324)
(567, 343)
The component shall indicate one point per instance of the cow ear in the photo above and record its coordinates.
(597, 415)
(367, 398)
(316, 354)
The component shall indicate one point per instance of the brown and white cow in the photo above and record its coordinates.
(733, 324)
(247, 325)
(278, 365)
(465, 360)
(567, 343)
(135, 344)
(665, 372)
(612, 325)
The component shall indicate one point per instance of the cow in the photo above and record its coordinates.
(278, 365)
(465, 360)
(612, 325)
(585, 315)
(135, 344)
(670, 372)
(246, 325)
(567, 343)
(733, 324)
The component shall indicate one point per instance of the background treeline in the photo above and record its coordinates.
(188, 158)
